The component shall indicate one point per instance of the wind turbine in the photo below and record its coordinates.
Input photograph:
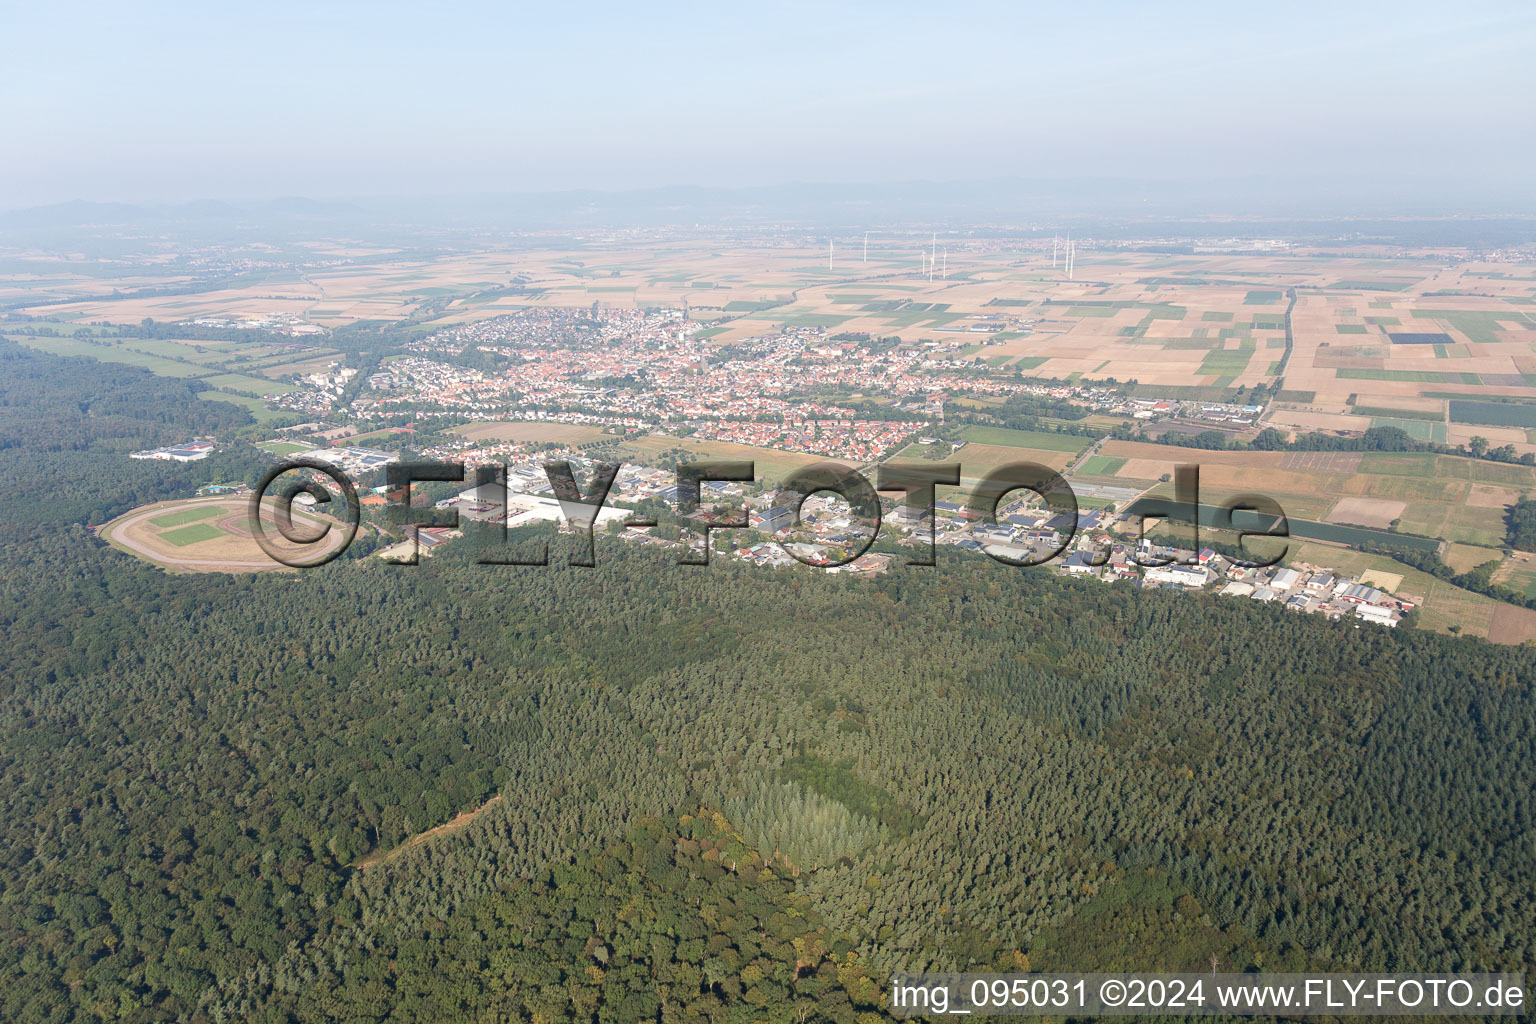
(866, 247)
(933, 257)
(946, 263)
(1055, 245)
(829, 254)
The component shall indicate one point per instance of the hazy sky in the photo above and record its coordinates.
(183, 101)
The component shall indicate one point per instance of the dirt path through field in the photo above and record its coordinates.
(459, 821)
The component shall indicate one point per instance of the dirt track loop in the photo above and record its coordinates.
(237, 551)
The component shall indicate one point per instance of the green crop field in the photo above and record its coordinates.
(1007, 436)
(1419, 430)
(1197, 393)
(193, 534)
(1478, 325)
(1401, 414)
(1373, 286)
(813, 320)
(1223, 361)
(1102, 465)
(1497, 414)
(1261, 297)
(1414, 376)
(185, 516)
(1350, 328)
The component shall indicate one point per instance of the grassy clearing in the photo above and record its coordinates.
(1466, 557)
(1483, 527)
(1521, 578)
(1418, 464)
(253, 386)
(113, 353)
(284, 447)
(194, 534)
(1419, 430)
(255, 406)
(185, 516)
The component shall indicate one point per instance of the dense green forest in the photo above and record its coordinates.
(726, 793)
(1520, 525)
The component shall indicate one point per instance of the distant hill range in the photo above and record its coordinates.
(1403, 210)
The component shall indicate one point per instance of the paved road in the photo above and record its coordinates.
(1092, 450)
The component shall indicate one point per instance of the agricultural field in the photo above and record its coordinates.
(531, 432)
(1443, 349)
(114, 352)
(184, 359)
(1444, 497)
(1101, 465)
(1376, 328)
(1034, 439)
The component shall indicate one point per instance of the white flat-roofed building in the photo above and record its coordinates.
(523, 509)
(1377, 614)
(353, 460)
(1358, 593)
(190, 451)
(1183, 575)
